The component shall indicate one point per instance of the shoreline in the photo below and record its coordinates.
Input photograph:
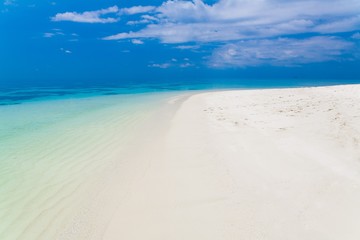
(58, 159)
(251, 163)
(9, 97)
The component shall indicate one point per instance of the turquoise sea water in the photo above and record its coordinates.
(57, 149)
(12, 94)
(58, 144)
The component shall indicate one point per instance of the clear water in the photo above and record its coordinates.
(55, 144)
(54, 153)
(18, 95)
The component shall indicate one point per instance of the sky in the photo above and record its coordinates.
(53, 42)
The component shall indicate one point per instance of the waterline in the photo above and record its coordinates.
(57, 156)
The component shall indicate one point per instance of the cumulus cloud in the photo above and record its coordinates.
(186, 47)
(65, 51)
(55, 32)
(145, 19)
(137, 41)
(186, 65)
(279, 52)
(174, 63)
(160, 65)
(185, 11)
(246, 32)
(97, 16)
(136, 10)
(195, 21)
(142, 21)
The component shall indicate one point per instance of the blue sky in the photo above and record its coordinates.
(87, 41)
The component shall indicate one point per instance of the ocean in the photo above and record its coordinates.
(58, 148)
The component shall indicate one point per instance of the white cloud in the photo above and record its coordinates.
(279, 52)
(185, 47)
(54, 32)
(145, 19)
(149, 17)
(65, 51)
(173, 62)
(161, 65)
(97, 16)
(185, 11)
(137, 41)
(344, 25)
(89, 16)
(136, 10)
(186, 65)
(195, 21)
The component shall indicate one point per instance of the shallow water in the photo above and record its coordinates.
(55, 155)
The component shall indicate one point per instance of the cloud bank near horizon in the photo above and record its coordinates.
(245, 32)
(280, 52)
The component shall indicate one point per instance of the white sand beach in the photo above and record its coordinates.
(250, 164)
(272, 164)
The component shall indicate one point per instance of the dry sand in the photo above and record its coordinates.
(251, 164)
